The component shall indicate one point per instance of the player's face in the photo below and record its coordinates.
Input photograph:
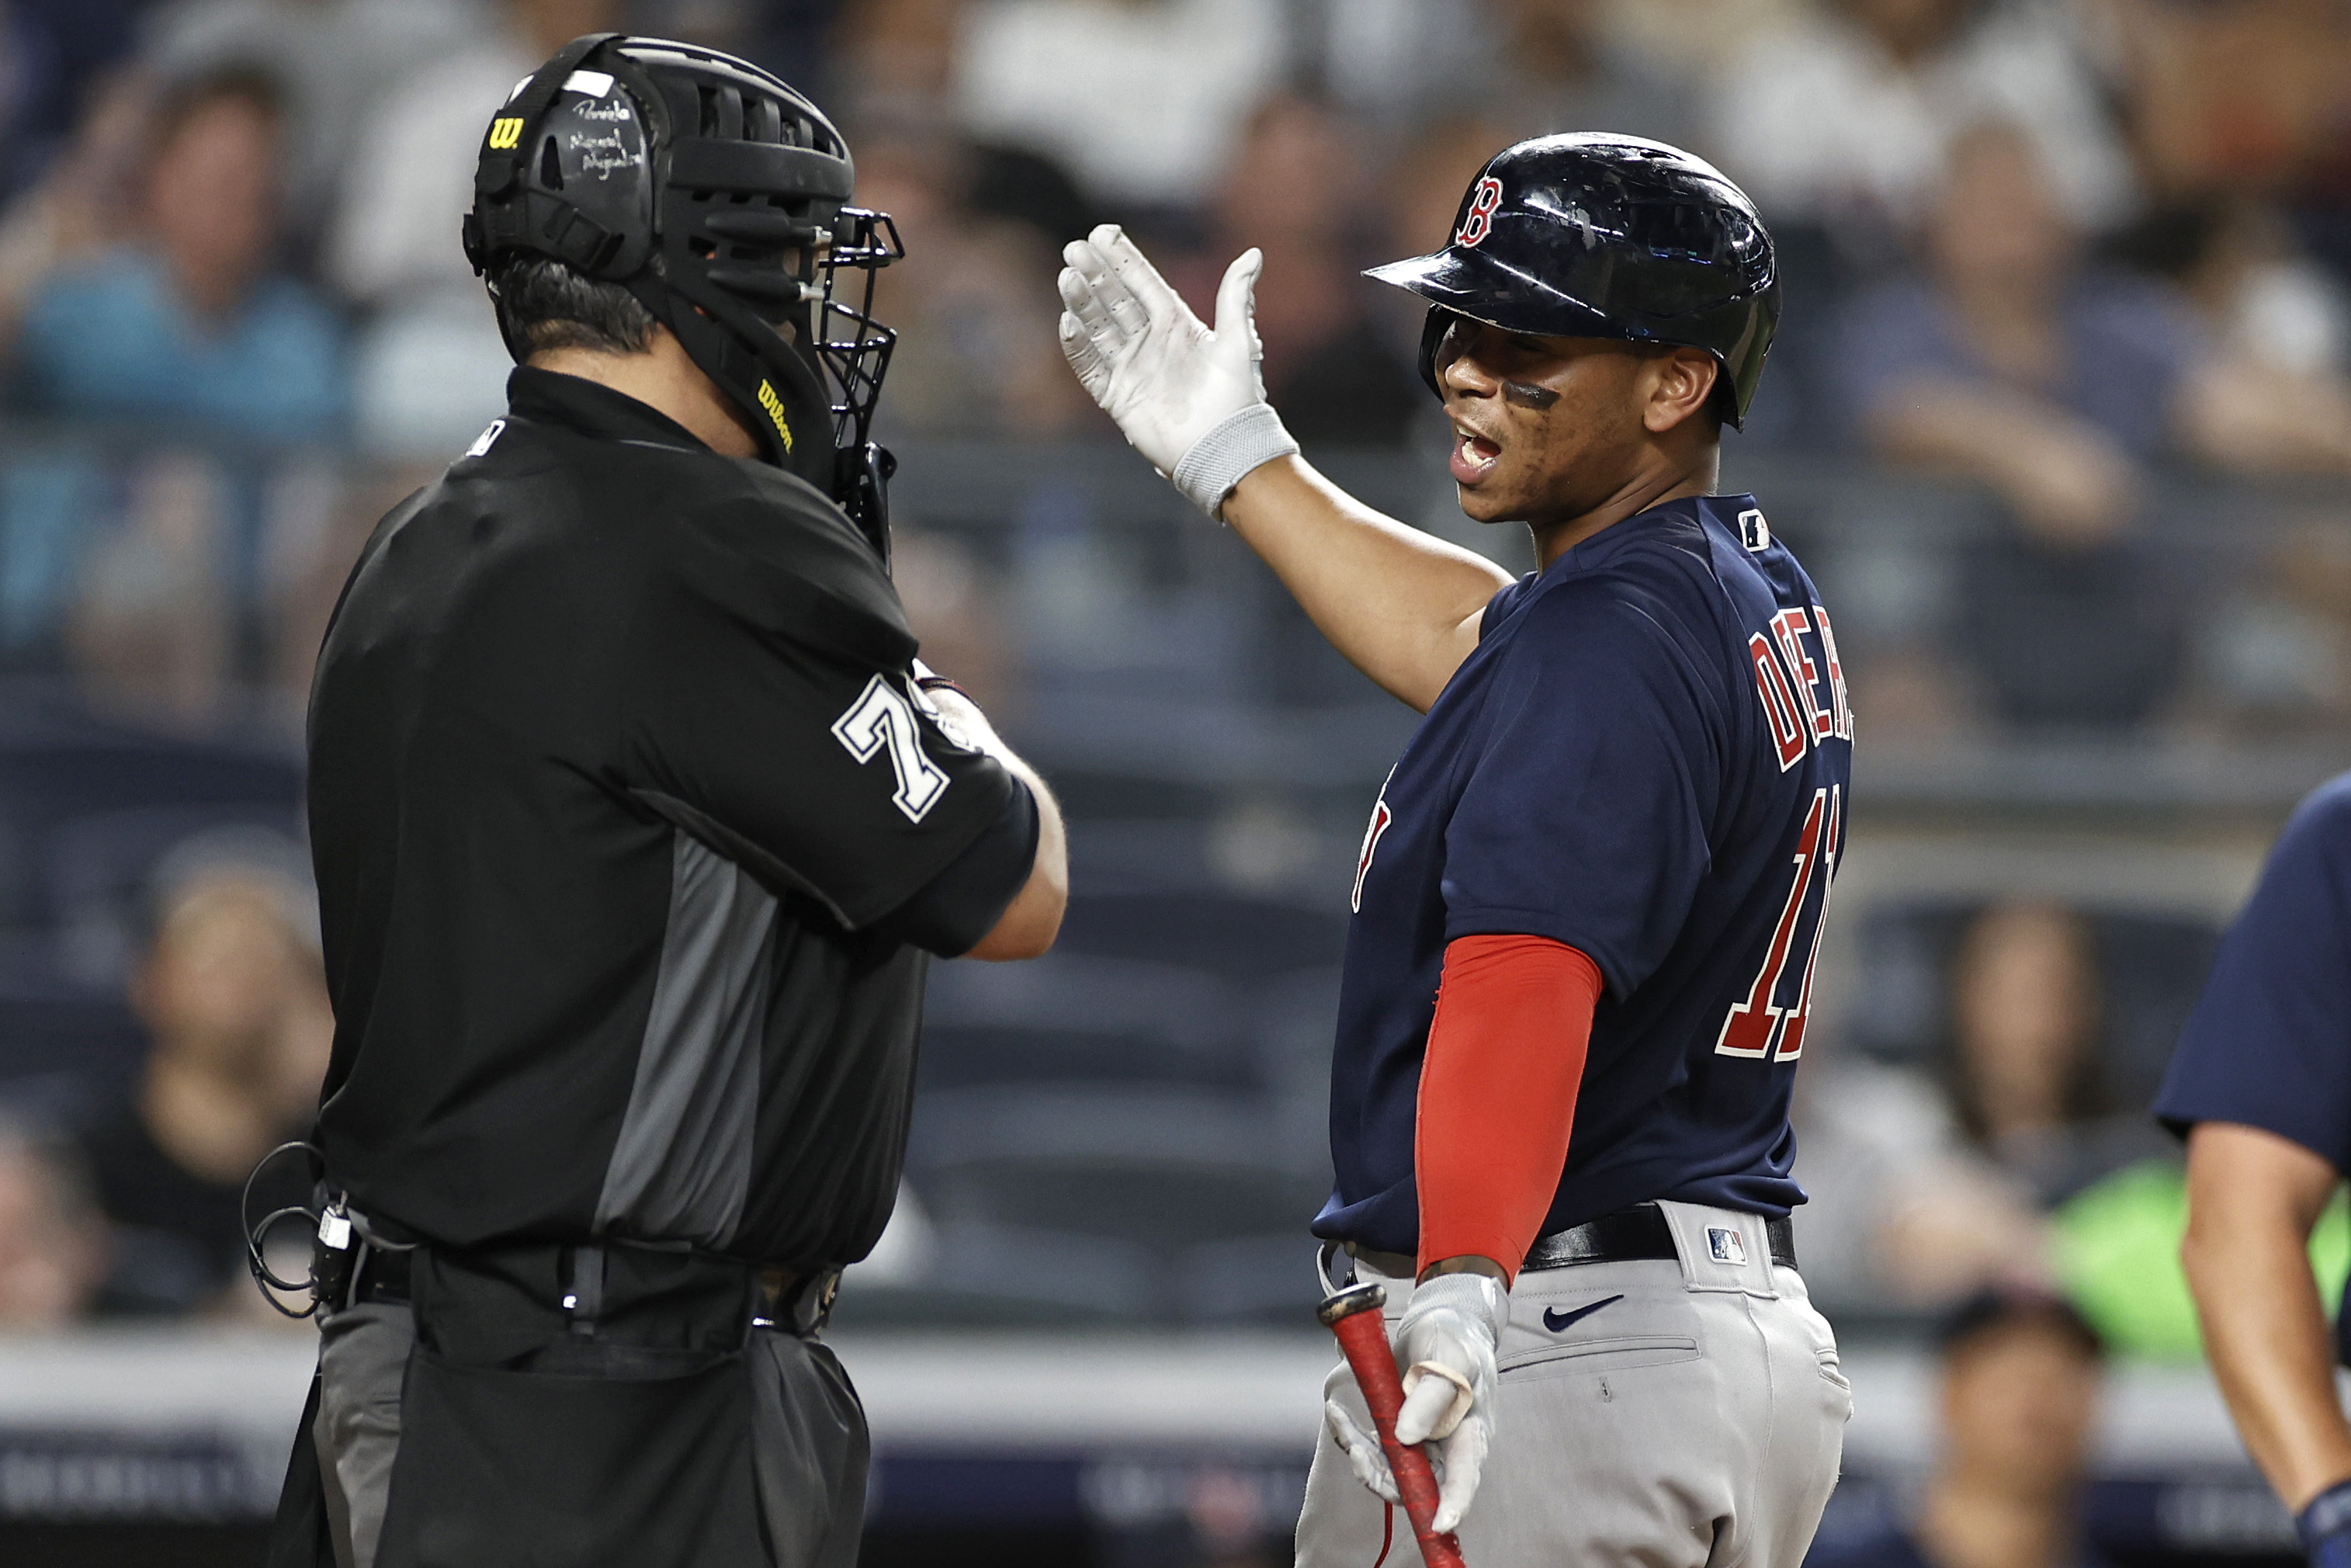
(1544, 429)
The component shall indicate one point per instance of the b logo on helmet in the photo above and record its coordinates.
(506, 133)
(775, 407)
(1479, 223)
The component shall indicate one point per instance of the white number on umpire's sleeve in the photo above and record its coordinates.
(882, 717)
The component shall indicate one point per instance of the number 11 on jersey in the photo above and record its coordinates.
(1753, 1023)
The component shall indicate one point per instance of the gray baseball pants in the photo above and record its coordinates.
(1682, 1415)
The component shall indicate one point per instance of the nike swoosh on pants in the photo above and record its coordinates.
(1559, 1322)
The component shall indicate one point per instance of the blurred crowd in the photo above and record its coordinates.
(136, 1203)
(2077, 255)
(2076, 272)
(1980, 1121)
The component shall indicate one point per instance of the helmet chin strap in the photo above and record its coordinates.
(780, 396)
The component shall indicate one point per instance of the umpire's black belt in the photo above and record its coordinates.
(784, 1298)
(1634, 1235)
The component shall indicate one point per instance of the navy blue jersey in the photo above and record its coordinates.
(1646, 758)
(2270, 1043)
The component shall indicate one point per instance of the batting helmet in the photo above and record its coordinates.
(717, 196)
(1595, 236)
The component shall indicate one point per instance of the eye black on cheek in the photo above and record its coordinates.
(1526, 394)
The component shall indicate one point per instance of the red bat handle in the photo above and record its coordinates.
(1353, 1315)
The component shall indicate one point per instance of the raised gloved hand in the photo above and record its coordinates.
(2326, 1527)
(1191, 400)
(1446, 1344)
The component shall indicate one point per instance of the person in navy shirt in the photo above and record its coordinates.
(1590, 896)
(2260, 1087)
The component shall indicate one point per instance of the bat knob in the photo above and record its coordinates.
(1364, 1298)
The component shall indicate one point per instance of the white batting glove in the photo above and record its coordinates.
(1365, 1456)
(1191, 400)
(1446, 1344)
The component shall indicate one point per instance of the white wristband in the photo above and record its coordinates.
(1222, 458)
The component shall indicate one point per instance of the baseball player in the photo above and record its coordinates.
(635, 822)
(1590, 895)
(2261, 1086)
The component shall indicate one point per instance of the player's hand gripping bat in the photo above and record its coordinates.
(1353, 1315)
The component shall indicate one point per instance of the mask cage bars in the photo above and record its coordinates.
(858, 356)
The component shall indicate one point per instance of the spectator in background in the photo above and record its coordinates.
(333, 58)
(1142, 99)
(231, 992)
(150, 626)
(2020, 1375)
(2242, 100)
(189, 324)
(86, 200)
(1422, 187)
(1904, 1210)
(52, 1248)
(1848, 119)
(1929, 1183)
(1296, 188)
(2275, 327)
(430, 371)
(2026, 996)
(1703, 37)
(1557, 67)
(2005, 360)
(2276, 648)
(896, 57)
(1536, 65)
(2011, 361)
(2231, 96)
(973, 301)
(951, 604)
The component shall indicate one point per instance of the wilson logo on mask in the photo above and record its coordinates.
(775, 407)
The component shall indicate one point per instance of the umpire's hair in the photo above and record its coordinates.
(545, 304)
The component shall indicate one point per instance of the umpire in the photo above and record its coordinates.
(635, 820)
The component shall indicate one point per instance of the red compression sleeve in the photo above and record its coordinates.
(1498, 1093)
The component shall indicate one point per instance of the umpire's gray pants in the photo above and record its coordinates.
(1692, 1418)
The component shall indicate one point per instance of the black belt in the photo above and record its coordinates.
(786, 1297)
(383, 1277)
(1635, 1235)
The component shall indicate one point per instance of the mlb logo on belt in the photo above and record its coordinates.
(1725, 1246)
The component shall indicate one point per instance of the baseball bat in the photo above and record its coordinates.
(1353, 1315)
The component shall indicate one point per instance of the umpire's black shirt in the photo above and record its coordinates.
(631, 830)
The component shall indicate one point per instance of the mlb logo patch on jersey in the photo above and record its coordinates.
(1726, 1245)
(1753, 531)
